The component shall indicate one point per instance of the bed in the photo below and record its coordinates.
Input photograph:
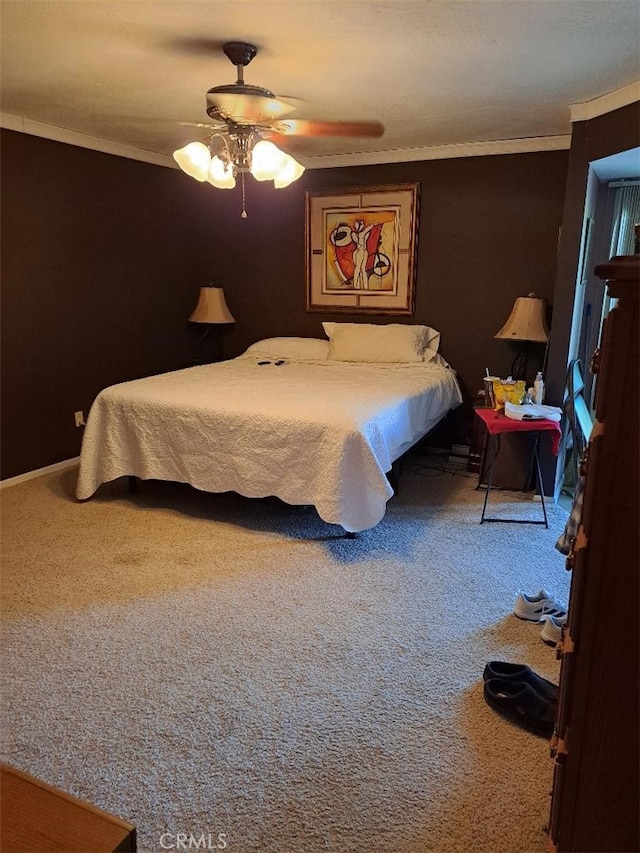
(310, 421)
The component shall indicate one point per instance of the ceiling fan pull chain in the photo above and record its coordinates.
(243, 215)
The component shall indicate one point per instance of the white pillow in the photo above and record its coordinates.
(435, 358)
(432, 339)
(383, 342)
(309, 349)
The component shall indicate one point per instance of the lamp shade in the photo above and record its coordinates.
(211, 307)
(221, 175)
(267, 160)
(289, 173)
(194, 159)
(526, 321)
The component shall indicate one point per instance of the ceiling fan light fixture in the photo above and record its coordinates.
(221, 175)
(267, 160)
(244, 114)
(194, 159)
(290, 172)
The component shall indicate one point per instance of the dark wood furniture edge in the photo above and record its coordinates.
(127, 828)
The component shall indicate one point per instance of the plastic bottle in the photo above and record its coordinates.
(538, 389)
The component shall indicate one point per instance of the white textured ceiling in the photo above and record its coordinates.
(437, 74)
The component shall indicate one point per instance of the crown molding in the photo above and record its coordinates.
(606, 103)
(83, 140)
(578, 112)
(392, 155)
(441, 152)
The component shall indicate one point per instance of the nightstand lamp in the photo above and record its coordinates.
(211, 309)
(526, 324)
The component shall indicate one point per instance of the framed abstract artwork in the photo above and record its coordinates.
(361, 249)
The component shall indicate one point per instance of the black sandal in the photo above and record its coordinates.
(520, 703)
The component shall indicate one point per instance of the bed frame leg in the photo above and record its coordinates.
(133, 485)
(394, 476)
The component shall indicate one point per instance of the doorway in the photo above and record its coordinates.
(612, 209)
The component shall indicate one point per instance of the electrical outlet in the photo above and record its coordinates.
(79, 419)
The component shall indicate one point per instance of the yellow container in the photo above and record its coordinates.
(508, 392)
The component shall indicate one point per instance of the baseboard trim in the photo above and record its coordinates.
(39, 472)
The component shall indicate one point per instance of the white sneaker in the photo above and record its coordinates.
(552, 630)
(535, 607)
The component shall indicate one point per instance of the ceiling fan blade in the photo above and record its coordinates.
(292, 101)
(246, 108)
(300, 127)
(207, 125)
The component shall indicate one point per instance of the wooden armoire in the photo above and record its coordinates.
(595, 801)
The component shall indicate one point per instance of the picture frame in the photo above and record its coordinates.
(361, 249)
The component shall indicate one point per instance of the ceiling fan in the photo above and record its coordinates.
(246, 104)
(246, 117)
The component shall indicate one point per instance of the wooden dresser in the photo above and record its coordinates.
(596, 798)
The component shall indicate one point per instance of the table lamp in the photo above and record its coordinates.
(211, 309)
(526, 324)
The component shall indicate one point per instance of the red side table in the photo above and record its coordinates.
(498, 423)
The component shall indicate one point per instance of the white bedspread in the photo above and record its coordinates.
(318, 433)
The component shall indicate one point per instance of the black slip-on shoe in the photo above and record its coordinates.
(521, 672)
(520, 703)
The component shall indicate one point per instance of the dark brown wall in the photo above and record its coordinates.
(103, 257)
(101, 260)
(488, 233)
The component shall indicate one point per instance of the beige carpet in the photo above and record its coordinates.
(208, 664)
